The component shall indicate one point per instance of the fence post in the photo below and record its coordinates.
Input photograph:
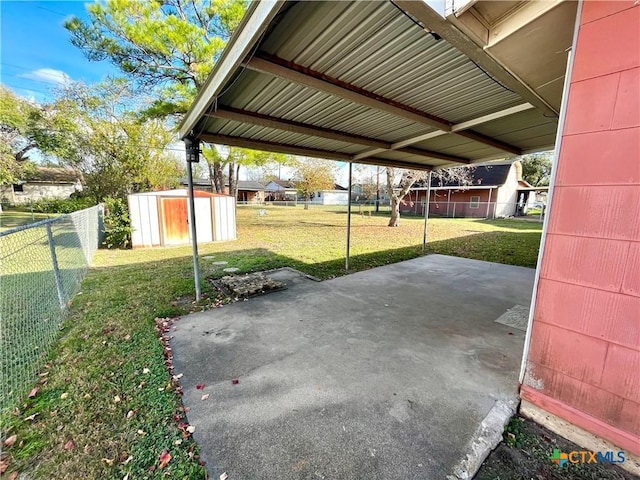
(56, 268)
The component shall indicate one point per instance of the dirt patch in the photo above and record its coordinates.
(526, 451)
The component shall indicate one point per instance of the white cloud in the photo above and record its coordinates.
(49, 75)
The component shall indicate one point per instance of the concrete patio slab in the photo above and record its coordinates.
(383, 374)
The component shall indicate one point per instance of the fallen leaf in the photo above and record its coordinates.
(69, 445)
(140, 432)
(165, 457)
(127, 337)
(200, 386)
(235, 381)
(4, 464)
(10, 441)
(178, 442)
(130, 414)
(32, 417)
(12, 476)
(179, 376)
(108, 461)
(126, 477)
(191, 429)
(116, 399)
(64, 395)
(145, 370)
(33, 393)
(224, 476)
(129, 458)
(205, 396)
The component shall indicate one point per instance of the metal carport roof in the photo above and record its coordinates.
(389, 83)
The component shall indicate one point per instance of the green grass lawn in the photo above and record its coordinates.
(16, 217)
(106, 406)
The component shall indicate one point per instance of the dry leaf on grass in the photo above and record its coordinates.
(69, 445)
(191, 429)
(4, 464)
(12, 476)
(116, 399)
(10, 441)
(165, 457)
(130, 414)
(33, 392)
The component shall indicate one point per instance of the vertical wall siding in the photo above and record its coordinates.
(584, 360)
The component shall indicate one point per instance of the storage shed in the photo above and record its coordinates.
(162, 218)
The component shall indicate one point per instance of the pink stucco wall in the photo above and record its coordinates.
(584, 359)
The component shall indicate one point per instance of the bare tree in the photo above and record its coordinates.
(397, 191)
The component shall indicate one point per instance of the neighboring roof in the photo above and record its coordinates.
(484, 176)
(285, 184)
(249, 186)
(201, 182)
(388, 83)
(339, 187)
(55, 175)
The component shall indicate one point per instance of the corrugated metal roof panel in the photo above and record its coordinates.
(384, 52)
(376, 47)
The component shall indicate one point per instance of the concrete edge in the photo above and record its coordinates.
(577, 435)
(486, 437)
(306, 275)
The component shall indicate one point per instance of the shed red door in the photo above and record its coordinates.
(174, 221)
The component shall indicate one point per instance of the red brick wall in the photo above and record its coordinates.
(438, 202)
(584, 359)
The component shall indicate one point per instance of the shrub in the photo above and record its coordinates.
(117, 224)
(62, 205)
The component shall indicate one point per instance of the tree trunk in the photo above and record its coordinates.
(233, 181)
(218, 177)
(395, 211)
(307, 197)
(235, 186)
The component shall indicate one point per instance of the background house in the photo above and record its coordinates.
(280, 190)
(337, 196)
(248, 191)
(496, 190)
(45, 182)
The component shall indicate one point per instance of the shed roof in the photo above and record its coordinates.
(389, 83)
(179, 192)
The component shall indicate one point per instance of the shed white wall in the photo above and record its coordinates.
(145, 221)
(204, 223)
(225, 218)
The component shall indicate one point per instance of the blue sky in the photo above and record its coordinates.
(36, 53)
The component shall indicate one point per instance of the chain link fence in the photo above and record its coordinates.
(41, 267)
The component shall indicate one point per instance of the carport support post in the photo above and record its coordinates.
(192, 147)
(426, 213)
(346, 260)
